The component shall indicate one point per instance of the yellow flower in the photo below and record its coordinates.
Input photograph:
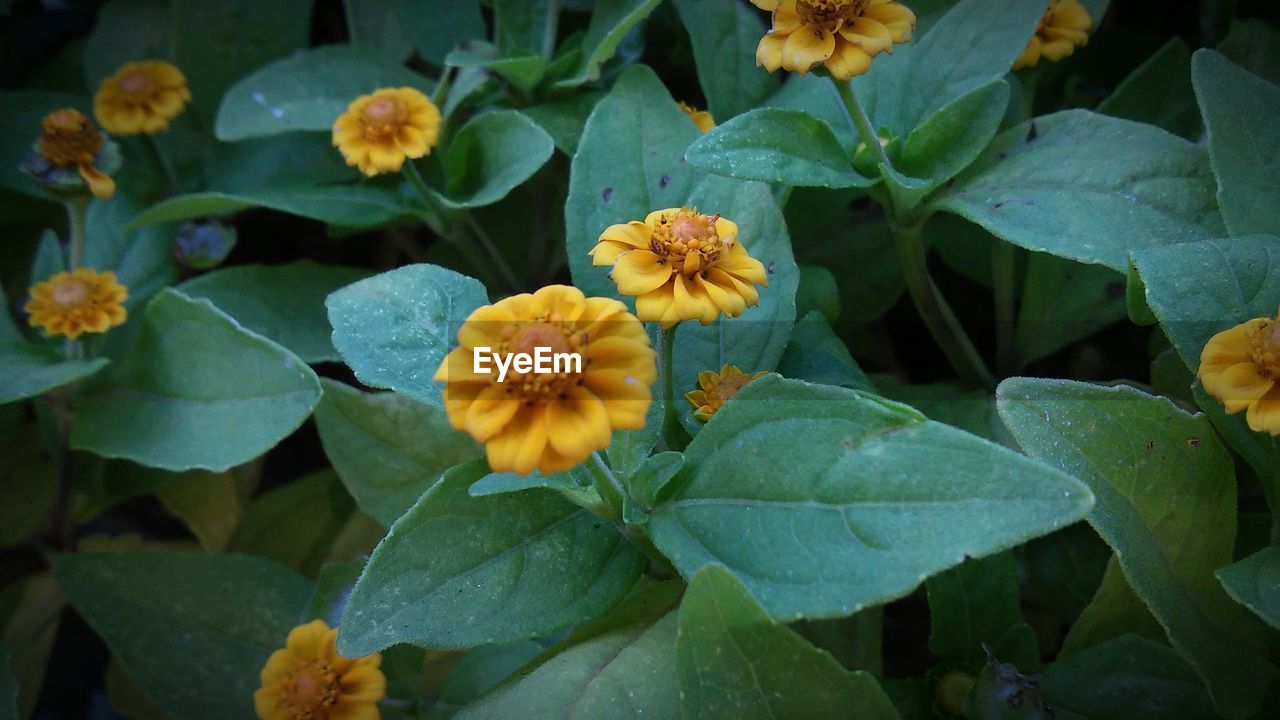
(1241, 367)
(701, 118)
(681, 265)
(548, 421)
(307, 678)
(717, 389)
(141, 97)
(378, 131)
(77, 302)
(68, 138)
(842, 34)
(1065, 25)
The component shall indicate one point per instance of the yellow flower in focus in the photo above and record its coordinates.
(701, 118)
(681, 265)
(1065, 25)
(1241, 367)
(843, 35)
(379, 131)
(141, 97)
(549, 421)
(307, 678)
(69, 138)
(77, 302)
(716, 389)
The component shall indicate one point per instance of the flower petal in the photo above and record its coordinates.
(807, 47)
(640, 271)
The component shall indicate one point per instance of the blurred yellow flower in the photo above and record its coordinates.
(843, 35)
(379, 131)
(716, 389)
(307, 678)
(681, 265)
(69, 138)
(77, 302)
(701, 118)
(548, 421)
(1065, 25)
(141, 97)
(1241, 367)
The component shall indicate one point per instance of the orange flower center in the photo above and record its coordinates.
(70, 293)
(554, 334)
(688, 241)
(1264, 347)
(382, 118)
(68, 138)
(311, 688)
(135, 83)
(830, 15)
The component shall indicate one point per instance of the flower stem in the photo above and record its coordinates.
(1004, 281)
(77, 222)
(861, 122)
(492, 251)
(166, 166)
(441, 223)
(607, 484)
(671, 430)
(936, 313)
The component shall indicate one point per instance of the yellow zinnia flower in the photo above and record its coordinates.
(681, 265)
(1241, 367)
(77, 302)
(307, 678)
(548, 421)
(141, 97)
(68, 138)
(716, 389)
(842, 34)
(1065, 25)
(701, 118)
(379, 131)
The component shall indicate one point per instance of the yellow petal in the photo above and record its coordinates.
(640, 271)
(1264, 415)
(848, 61)
(769, 51)
(518, 448)
(579, 425)
(490, 412)
(807, 47)
(100, 183)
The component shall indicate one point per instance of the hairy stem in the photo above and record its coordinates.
(861, 122)
(1004, 278)
(671, 430)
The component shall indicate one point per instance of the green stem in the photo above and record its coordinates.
(438, 219)
(441, 94)
(937, 315)
(671, 430)
(77, 222)
(170, 174)
(1004, 279)
(861, 122)
(552, 28)
(607, 484)
(492, 251)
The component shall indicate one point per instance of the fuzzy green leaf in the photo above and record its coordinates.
(1255, 583)
(775, 145)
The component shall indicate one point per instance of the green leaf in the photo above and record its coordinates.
(277, 162)
(1254, 45)
(296, 523)
(1260, 450)
(734, 661)
(491, 155)
(1064, 302)
(1127, 678)
(395, 328)
(955, 135)
(1255, 583)
(198, 391)
(209, 503)
(1239, 111)
(1087, 187)
(31, 612)
(307, 91)
(970, 47)
(855, 247)
(478, 672)
(724, 36)
(519, 565)
(142, 260)
(611, 20)
(28, 477)
(387, 448)
(972, 605)
(342, 205)
(622, 665)
(1199, 289)
(575, 485)
(28, 370)
(855, 499)
(819, 292)
(194, 630)
(217, 43)
(440, 26)
(282, 302)
(816, 354)
(650, 479)
(970, 410)
(20, 128)
(524, 70)
(1114, 610)
(774, 145)
(1159, 92)
(1168, 536)
(526, 26)
(564, 119)
(378, 24)
(630, 448)
(123, 31)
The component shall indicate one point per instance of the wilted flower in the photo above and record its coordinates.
(77, 302)
(67, 140)
(204, 244)
(548, 421)
(1065, 25)
(701, 118)
(1241, 366)
(716, 389)
(843, 35)
(141, 97)
(307, 678)
(378, 132)
(681, 265)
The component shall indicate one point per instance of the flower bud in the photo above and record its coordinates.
(203, 244)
